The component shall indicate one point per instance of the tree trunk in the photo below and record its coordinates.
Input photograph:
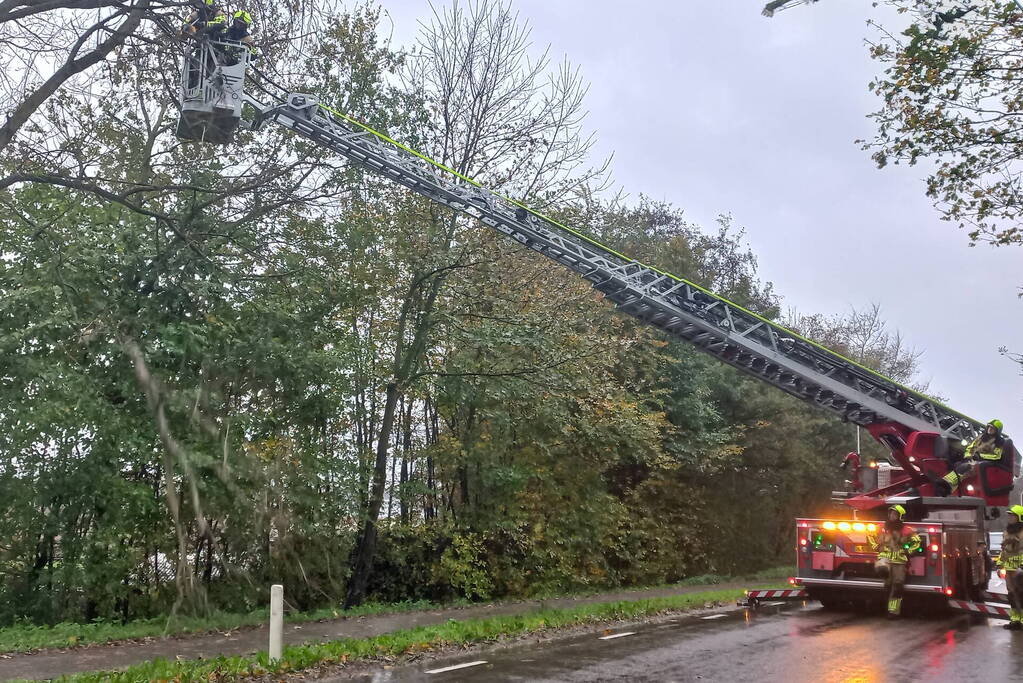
(431, 424)
(463, 486)
(406, 449)
(362, 558)
(415, 314)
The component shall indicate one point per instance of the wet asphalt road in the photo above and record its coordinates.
(775, 643)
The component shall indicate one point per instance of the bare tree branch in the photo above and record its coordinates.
(69, 69)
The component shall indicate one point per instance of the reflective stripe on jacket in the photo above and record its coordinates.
(989, 447)
(1011, 556)
(895, 546)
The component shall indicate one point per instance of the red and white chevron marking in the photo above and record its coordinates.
(995, 597)
(980, 608)
(785, 594)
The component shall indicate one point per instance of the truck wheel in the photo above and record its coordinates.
(862, 606)
(830, 604)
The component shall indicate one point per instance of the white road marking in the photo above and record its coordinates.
(617, 635)
(456, 666)
(773, 603)
(714, 616)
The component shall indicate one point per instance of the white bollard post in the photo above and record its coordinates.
(276, 620)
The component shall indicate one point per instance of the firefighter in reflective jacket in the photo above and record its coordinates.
(990, 446)
(1011, 560)
(237, 31)
(852, 461)
(894, 544)
(205, 14)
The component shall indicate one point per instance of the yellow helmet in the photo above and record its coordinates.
(243, 16)
(1017, 510)
(997, 424)
(902, 511)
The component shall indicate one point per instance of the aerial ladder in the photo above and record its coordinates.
(924, 435)
(778, 5)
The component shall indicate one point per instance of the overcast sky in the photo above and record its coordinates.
(709, 105)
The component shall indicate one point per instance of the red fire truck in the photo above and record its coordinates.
(835, 563)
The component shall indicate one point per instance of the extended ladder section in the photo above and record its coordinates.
(779, 5)
(683, 309)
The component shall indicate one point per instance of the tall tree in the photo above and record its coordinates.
(864, 336)
(490, 116)
(157, 270)
(60, 49)
(951, 95)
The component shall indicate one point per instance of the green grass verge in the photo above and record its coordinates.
(772, 574)
(28, 637)
(407, 642)
(763, 575)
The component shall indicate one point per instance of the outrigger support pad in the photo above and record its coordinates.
(987, 609)
(753, 598)
(989, 596)
(212, 91)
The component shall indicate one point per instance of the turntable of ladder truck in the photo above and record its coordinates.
(927, 439)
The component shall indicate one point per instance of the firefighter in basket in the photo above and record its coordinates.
(894, 544)
(235, 37)
(204, 14)
(991, 446)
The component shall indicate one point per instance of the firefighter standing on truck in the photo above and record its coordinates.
(852, 461)
(991, 446)
(1011, 560)
(894, 544)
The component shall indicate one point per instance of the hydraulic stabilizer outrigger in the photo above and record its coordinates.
(754, 598)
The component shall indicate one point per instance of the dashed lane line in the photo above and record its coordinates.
(456, 666)
(714, 616)
(617, 635)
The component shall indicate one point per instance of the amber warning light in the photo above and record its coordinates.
(847, 526)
